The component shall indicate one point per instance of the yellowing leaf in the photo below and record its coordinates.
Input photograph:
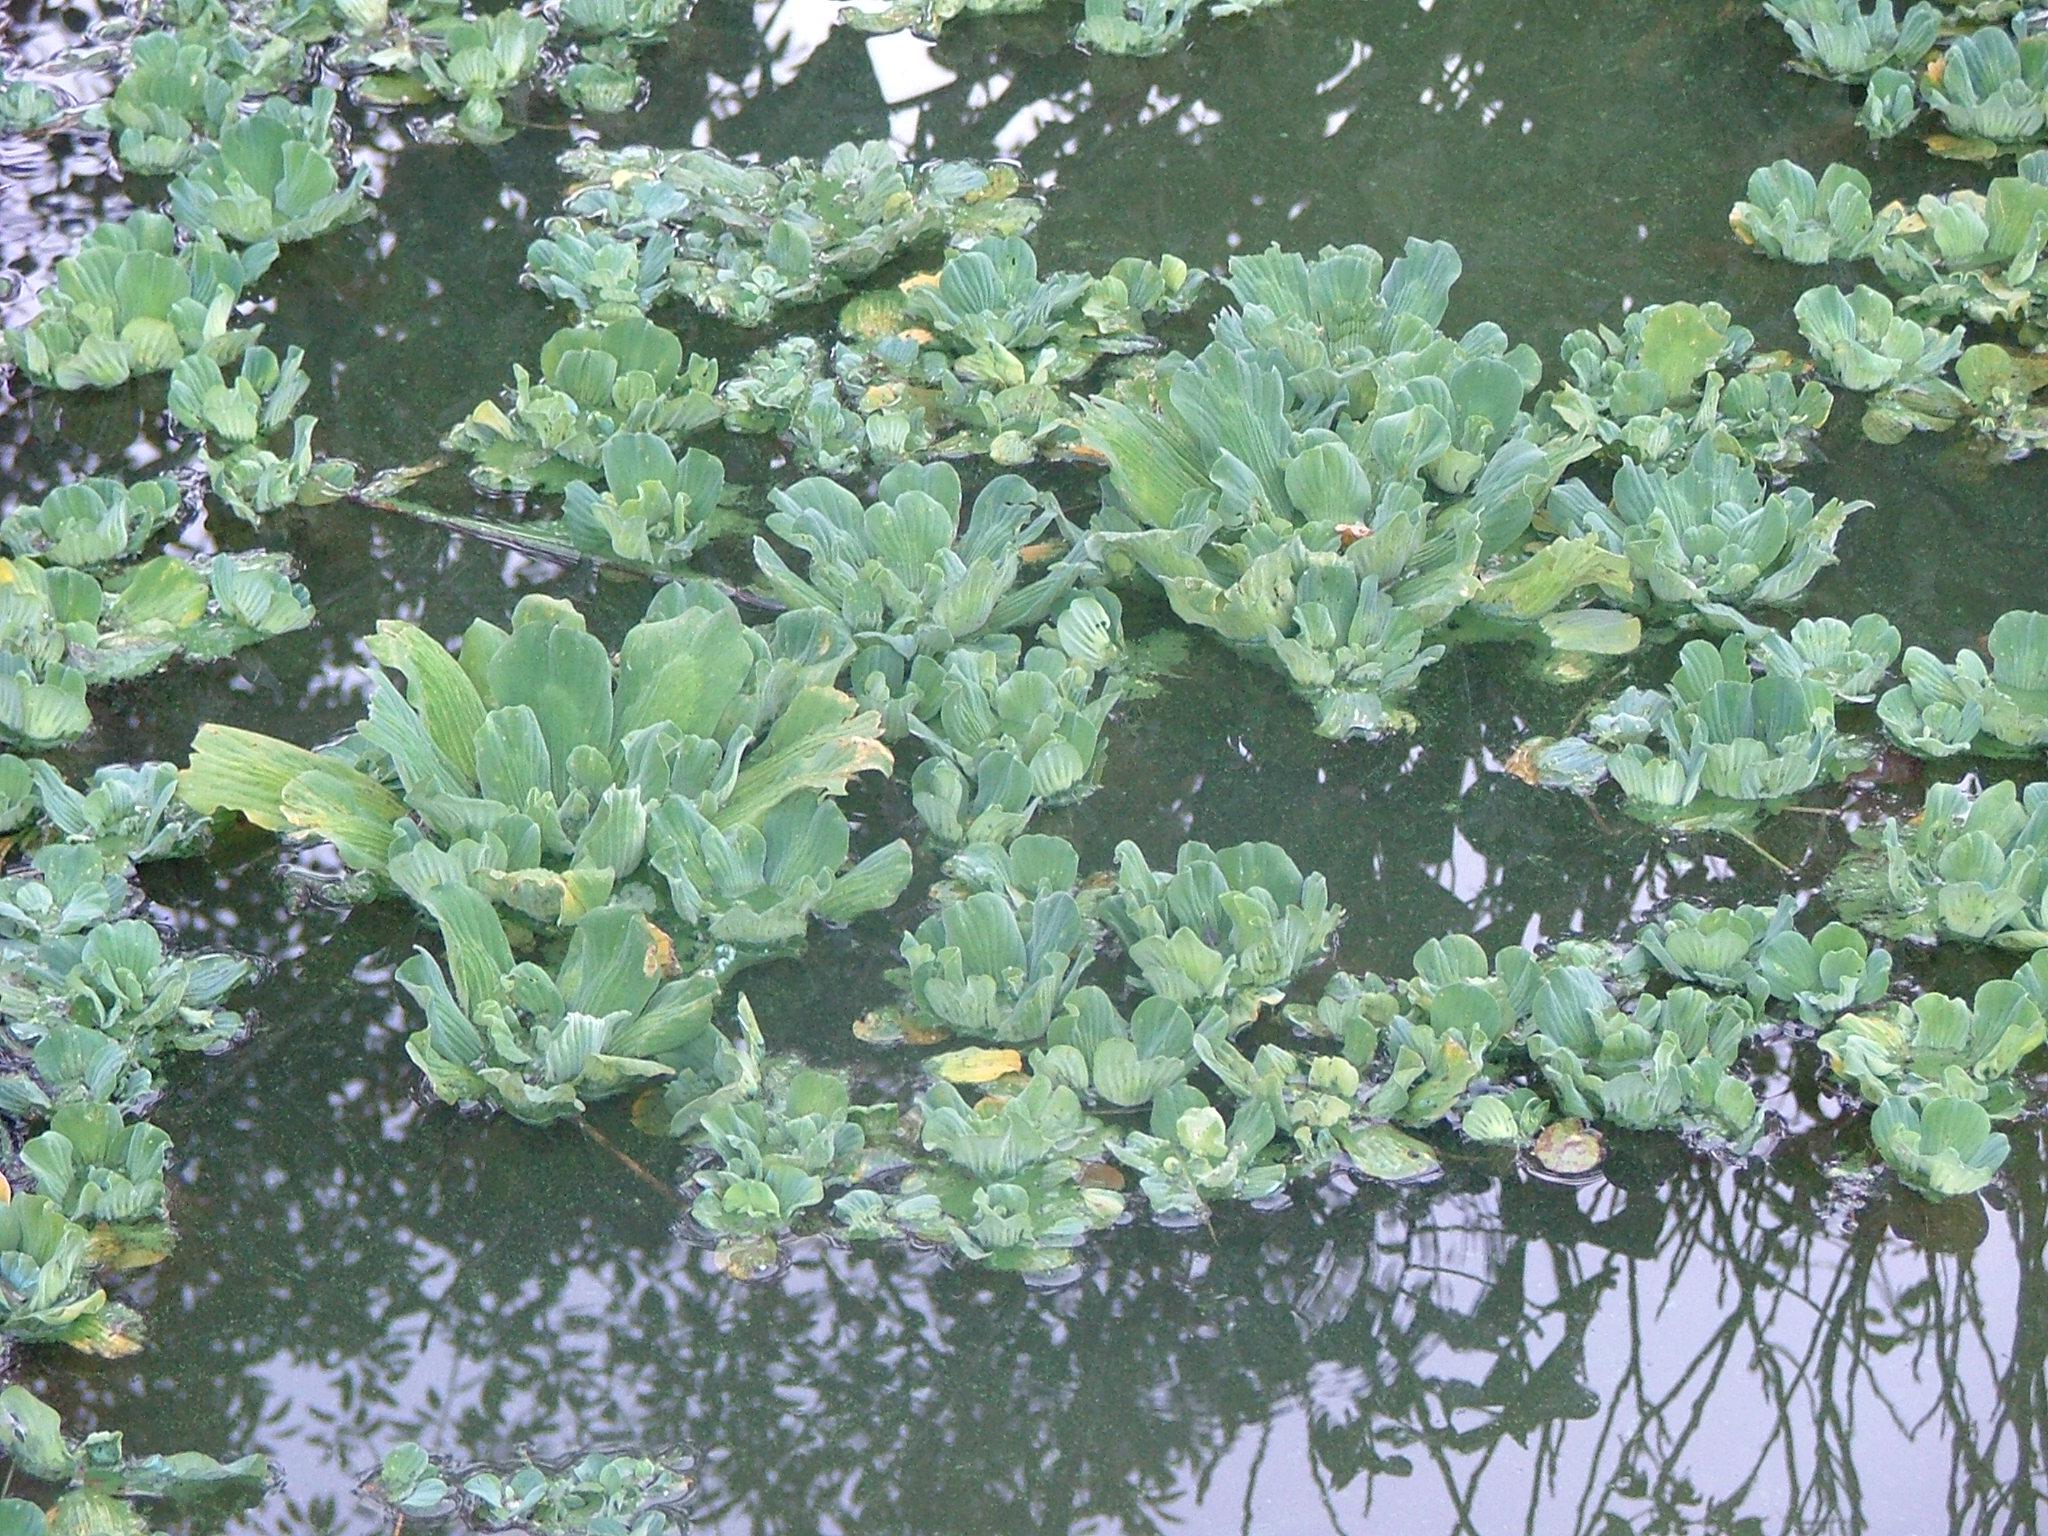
(1101, 1176)
(661, 954)
(975, 1064)
(1570, 1148)
(1951, 147)
(1521, 763)
(749, 1258)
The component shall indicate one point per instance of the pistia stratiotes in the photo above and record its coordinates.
(551, 776)
(1943, 709)
(541, 1044)
(1972, 867)
(595, 383)
(1679, 375)
(133, 300)
(1716, 749)
(745, 241)
(95, 522)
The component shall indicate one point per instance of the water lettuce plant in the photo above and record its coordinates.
(19, 809)
(105, 1172)
(1001, 722)
(545, 773)
(1332, 478)
(1143, 27)
(1348, 626)
(1678, 375)
(597, 1494)
(1993, 86)
(94, 522)
(541, 1044)
(978, 358)
(1861, 342)
(1717, 747)
(902, 573)
(1667, 1065)
(102, 1482)
(1846, 41)
(1428, 1057)
(1851, 659)
(1998, 388)
(1514, 1117)
(1226, 929)
(63, 889)
(1826, 975)
(595, 383)
(134, 299)
(1891, 104)
(1792, 216)
(774, 1158)
(176, 96)
(1970, 254)
(47, 1292)
(1313, 1100)
(1004, 1185)
(753, 887)
(1940, 1046)
(994, 968)
(2001, 710)
(654, 507)
(120, 979)
(601, 81)
(1351, 1012)
(749, 240)
(62, 630)
(1192, 1156)
(239, 417)
(1109, 1059)
(1942, 1147)
(1721, 949)
(28, 106)
(1972, 866)
(475, 60)
(75, 1064)
(605, 277)
(271, 177)
(1708, 535)
(1356, 340)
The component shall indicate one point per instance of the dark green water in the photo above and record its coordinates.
(1675, 1349)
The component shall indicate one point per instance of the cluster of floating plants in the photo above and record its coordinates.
(95, 1004)
(1957, 265)
(182, 75)
(97, 1485)
(596, 1495)
(1137, 27)
(604, 837)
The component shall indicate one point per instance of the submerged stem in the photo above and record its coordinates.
(1758, 848)
(379, 495)
(638, 1168)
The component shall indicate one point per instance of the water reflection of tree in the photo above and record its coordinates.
(1485, 1354)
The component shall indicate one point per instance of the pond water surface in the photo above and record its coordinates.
(1676, 1348)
